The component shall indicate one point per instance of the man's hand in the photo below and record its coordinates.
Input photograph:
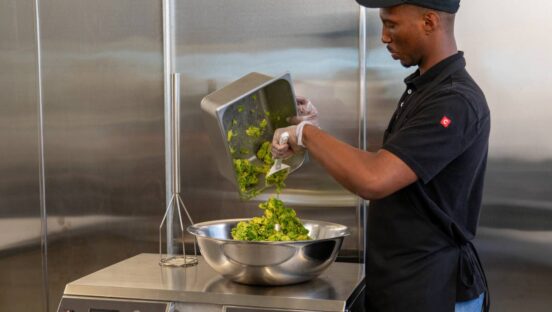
(295, 141)
(306, 112)
(285, 150)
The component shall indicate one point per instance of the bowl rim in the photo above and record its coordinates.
(194, 230)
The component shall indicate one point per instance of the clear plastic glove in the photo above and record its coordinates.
(295, 140)
(285, 150)
(306, 112)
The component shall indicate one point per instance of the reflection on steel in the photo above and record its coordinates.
(316, 288)
(176, 202)
(269, 263)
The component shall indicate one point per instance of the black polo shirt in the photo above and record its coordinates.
(419, 256)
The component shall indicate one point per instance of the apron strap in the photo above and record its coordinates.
(468, 249)
(487, 302)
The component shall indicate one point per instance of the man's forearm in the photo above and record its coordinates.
(342, 161)
(369, 175)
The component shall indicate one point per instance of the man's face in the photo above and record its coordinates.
(403, 33)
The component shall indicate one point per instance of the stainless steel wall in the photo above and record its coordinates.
(217, 42)
(20, 279)
(103, 95)
(103, 99)
(509, 54)
(104, 132)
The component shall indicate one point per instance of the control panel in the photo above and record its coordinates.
(82, 304)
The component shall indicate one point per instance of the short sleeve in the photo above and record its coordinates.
(434, 135)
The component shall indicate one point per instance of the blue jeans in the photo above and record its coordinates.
(474, 305)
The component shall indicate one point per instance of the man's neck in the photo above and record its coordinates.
(437, 53)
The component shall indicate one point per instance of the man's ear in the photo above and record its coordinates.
(432, 21)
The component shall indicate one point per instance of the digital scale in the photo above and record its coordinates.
(140, 284)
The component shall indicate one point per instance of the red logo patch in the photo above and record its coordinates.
(445, 121)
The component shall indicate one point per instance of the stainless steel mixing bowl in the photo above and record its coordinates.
(268, 263)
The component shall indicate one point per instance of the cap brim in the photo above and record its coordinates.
(379, 3)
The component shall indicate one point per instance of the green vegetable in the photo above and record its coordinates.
(264, 153)
(263, 124)
(230, 134)
(263, 228)
(247, 174)
(244, 151)
(277, 179)
(240, 108)
(253, 131)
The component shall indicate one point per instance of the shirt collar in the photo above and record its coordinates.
(438, 71)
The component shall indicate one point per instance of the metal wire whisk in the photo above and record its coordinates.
(176, 201)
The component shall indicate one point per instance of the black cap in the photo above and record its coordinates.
(450, 6)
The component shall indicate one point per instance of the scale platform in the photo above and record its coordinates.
(139, 284)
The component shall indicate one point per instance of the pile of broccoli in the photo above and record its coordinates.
(264, 228)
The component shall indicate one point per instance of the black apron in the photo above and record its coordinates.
(412, 263)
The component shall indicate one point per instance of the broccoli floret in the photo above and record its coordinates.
(264, 153)
(246, 173)
(253, 131)
(229, 135)
(264, 228)
(277, 179)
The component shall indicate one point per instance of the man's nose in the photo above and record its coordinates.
(385, 38)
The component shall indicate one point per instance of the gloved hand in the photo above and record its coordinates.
(294, 144)
(285, 150)
(306, 112)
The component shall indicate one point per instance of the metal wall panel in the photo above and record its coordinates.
(20, 259)
(220, 41)
(508, 56)
(104, 132)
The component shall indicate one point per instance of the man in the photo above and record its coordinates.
(425, 184)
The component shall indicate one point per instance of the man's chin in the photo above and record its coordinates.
(405, 64)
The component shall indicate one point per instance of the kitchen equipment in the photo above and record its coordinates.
(140, 284)
(253, 101)
(172, 258)
(268, 263)
(278, 166)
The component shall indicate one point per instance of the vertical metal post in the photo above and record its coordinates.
(41, 171)
(362, 140)
(175, 132)
(168, 68)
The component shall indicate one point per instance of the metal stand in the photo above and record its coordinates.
(176, 201)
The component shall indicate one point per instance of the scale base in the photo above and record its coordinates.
(178, 261)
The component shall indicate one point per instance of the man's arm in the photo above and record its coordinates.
(369, 175)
